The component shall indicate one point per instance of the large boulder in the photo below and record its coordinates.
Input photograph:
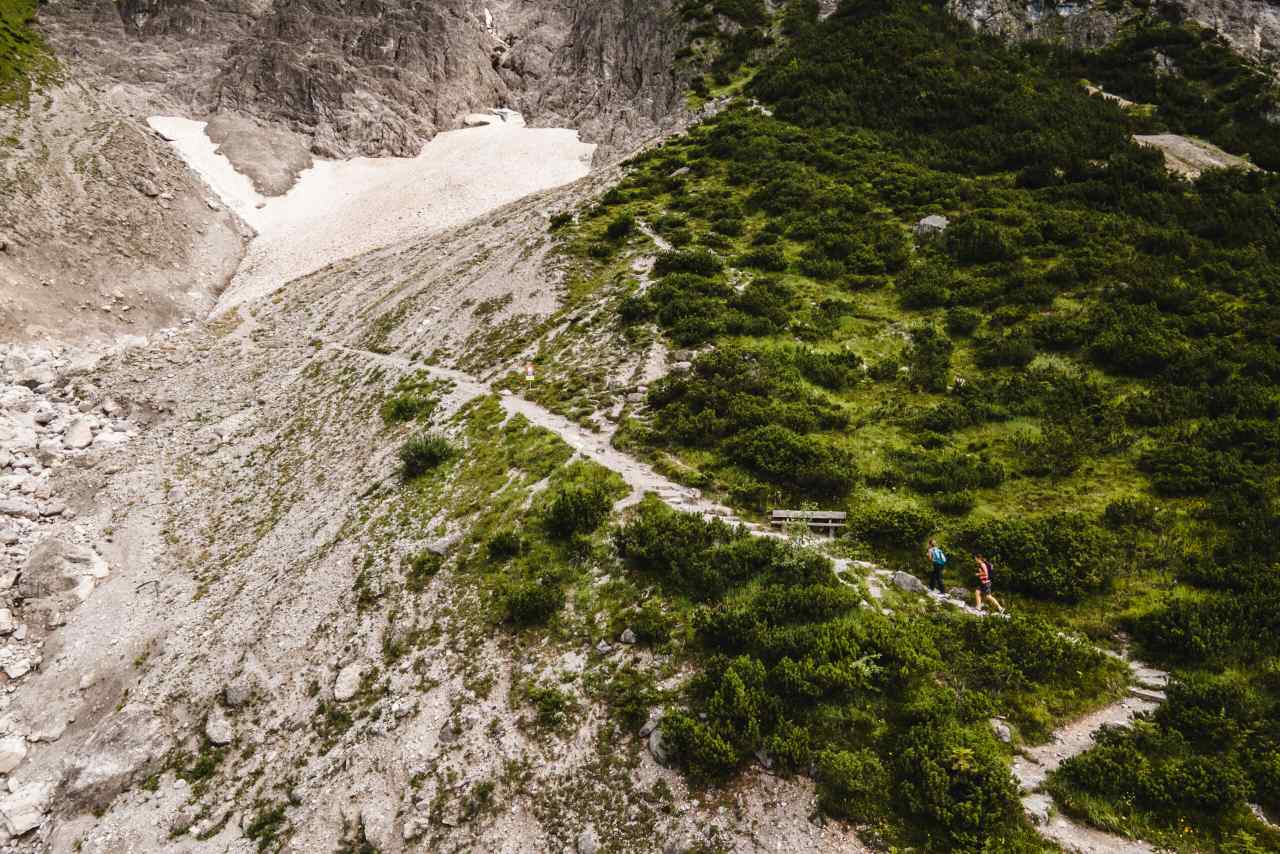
(79, 434)
(26, 807)
(13, 749)
(347, 685)
(56, 567)
(908, 582)
(217, 728)
(126, 748)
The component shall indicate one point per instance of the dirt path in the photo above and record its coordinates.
(1031, 768)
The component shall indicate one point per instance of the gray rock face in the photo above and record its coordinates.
(1252, 27)
(1001, 730)
(383, 76)
(588, 842)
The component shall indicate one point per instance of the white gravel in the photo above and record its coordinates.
(342, 208)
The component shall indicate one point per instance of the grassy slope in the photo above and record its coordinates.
(1074, 222)
(24, 60)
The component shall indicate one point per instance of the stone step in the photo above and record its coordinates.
(1146, 694)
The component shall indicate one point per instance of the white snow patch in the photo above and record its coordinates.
(342, 208)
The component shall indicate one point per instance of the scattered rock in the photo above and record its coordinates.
(8, 537)
(1001, 730)
(146, 186)
(656, 747)
(445, 544)
(348, 682)
(20, 507)
(588, 842)
(603, 647)
(239, 691)
(18, 668)
(24, 810)
(1038, 808)
(13, 749)
(56, 566)
(628, 636)
(908, 582)
(217, 728)
(79, 434)
(931, 226)
(655, 718)
(7, 624)
(124, 749)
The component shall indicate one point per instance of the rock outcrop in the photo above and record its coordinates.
(383, 77)
(1252, 27)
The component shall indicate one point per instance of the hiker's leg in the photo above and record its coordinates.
(977, 599)
(996, 601)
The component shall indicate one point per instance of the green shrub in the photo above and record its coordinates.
(423, 453)
(1064, 556)
(407, 407)
(423, 566)
(703, 752)
(530, 603)
(956, 778)
(505, 545)
(808, 464)
(929, 358)
(962, 322)
(896, 527)
(699, 262)
(622, 226)
(579, 508)
(561, 219)
(852, 784)
(954, 503)
(976, 241)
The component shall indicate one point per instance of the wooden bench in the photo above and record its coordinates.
(826, 521)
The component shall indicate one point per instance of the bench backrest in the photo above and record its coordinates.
(809, 515)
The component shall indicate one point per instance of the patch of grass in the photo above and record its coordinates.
(25, 61)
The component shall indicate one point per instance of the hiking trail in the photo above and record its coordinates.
(1030, 768)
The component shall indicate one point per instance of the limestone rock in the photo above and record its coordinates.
(79, 434)
(931, 226)
(56, 566)
(217, 728)
(20, 507)
(13, 749)
(124, 749)
(908, 582)
(348, 682)
(24, 810)
(588, 842)
(1001, 730)
(7, 624)
(628, 636)
(656, 747)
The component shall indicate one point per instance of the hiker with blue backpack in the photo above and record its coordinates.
(939, 560)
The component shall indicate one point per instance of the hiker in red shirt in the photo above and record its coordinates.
(984, 583)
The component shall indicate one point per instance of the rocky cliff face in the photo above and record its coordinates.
(1251, 26)
(380, 77)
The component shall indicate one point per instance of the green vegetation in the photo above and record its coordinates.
(1079, 377)
(892, 712)
(424, 452)
(24, 60)
(1197, 83)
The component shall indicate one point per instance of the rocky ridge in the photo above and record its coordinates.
(1252, 27)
